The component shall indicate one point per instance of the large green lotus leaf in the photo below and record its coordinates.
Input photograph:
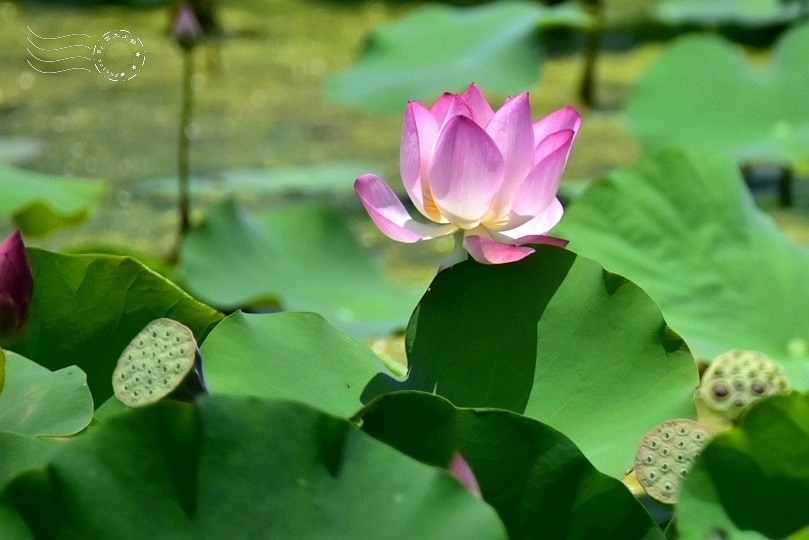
(86, 308)
(754, 477)
(744, 12)
(288, 355)
(702, 94)
(304, 256)
(39, 402)
(243, 467)
(555, 337)
(534, 476)
(436, 48)
(40, 203)
(686, 230)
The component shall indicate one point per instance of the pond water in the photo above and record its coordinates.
(259, 105)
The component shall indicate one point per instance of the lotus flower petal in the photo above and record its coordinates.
(16, 285)
(390, 215)
(510, 128)
(538, 225)
(542, 183)
(482, 112)
(489, 251)
(466, 173)
(558, 120)
(419, 132)
(460, 469)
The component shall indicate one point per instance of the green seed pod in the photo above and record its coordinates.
(666, 454)
(162, 360)
(736, 379)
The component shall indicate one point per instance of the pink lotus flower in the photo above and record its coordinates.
(488, 177)
(16, 285)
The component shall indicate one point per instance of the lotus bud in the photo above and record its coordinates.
(161, 361)
(16, 286)
(186, 30)
(460, 469)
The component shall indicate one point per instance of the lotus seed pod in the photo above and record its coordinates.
(736, 379)
(666, 454)
(162, 360)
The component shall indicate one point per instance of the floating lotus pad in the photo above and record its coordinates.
(736, 379)
(161, 360)
(666, 454)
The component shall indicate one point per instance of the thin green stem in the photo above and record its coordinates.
(184, 203)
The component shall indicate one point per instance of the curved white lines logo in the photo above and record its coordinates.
(117, 55)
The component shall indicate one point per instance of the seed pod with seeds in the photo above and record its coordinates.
(666, 454)
(736, 379)
(162, 360)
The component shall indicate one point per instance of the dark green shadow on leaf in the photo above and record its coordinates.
(288, 356)
(685, 229)
(702, 94)
(40, 203)
(86, 308)
(535, 477)
(22, 453)
(754, 477)
(39, 402)
(304, 257)
(263, 469)
(555, 337)
(438, 48)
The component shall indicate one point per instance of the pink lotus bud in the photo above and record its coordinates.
(460, 470)
(487, 177)
(187, 30)
(16, 285)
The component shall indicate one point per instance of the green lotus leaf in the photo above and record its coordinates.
(241, 466)
(752, 478)
(436, 48)
(291, 356)
(702, 94)
(86, 308)
(40, 402)
(534, 476)
(304, 257)
(685, 229)
(557, 338)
